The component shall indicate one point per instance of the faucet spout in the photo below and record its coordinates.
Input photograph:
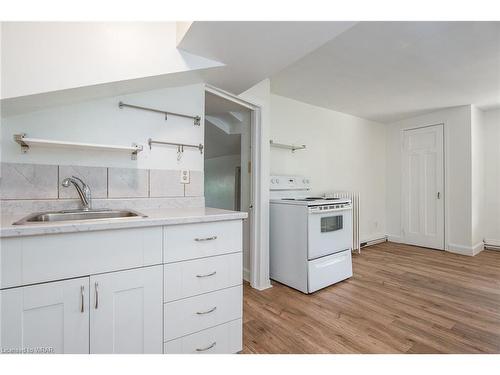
(82, 189)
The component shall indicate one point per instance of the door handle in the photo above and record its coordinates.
(439, 195)
(82, 296)
(96, 295)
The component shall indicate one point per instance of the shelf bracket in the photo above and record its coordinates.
(19, 138)
(292, 148)
(138, 149)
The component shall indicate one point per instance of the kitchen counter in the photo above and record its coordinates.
(155, 217)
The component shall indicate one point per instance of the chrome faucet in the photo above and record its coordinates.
(83, 191)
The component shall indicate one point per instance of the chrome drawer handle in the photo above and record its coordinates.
(207, 312)
(82, 294)
(207, 275)
(207, 348)
(96, 296)
(205, 239)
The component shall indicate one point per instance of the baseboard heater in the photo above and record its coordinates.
(492, 247)
(374, 241)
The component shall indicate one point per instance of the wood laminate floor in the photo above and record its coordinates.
(401, 299)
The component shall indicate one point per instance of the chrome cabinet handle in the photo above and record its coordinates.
(96, 296)
(207, 275)
(207, 348)
(205, 239)
(207, 312)
(82, 295)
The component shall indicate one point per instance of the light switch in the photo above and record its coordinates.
(184, 176)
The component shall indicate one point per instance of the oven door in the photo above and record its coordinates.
(329, 232)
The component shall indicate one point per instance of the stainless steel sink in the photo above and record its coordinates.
(78, 215)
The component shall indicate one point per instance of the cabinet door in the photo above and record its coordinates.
(46, 318)
(126, 311)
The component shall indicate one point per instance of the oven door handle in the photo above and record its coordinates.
(331, 210)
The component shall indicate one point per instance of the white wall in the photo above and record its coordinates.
(101, 121)
(343, 152)
(477, 176)
(220, 174)
(41, 57)
(260, 95)
(491, 121)
(458, 174)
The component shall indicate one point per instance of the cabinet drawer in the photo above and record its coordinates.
(193, 277)
(36, 259)
(198, 313)
(191, 241)
(223, 339)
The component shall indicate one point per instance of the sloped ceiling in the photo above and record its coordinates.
(385, 71)
(253, 51)
(223, 126)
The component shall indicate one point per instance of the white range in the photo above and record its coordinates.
(310, 237)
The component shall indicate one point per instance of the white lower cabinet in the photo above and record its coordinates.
(132, 302)
(202, 288)
(223, 339)
(126, 311)
(119, 312)
(46, 318)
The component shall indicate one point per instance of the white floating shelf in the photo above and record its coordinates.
(26, 143)
(293, 148)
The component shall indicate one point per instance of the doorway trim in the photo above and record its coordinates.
(259, 255)
(445, 178)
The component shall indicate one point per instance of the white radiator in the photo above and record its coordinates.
(356, 209)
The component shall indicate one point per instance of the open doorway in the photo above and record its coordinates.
(227, 151)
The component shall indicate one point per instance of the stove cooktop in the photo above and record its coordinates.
(310, 201)
(307, 199)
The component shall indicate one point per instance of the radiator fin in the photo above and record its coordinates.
(356, 209)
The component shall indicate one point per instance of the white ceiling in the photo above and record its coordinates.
(219, 143)
(385, 71)
(223, 125)
(253, 51)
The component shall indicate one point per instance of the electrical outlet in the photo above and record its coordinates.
(185, 176)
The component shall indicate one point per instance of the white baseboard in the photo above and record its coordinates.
(246, 274)
(263, 287)
(492, 244)
(394, 238)
(246, 277)
(466, 250)
(477, 248)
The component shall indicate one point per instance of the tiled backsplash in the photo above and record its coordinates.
(36, 181)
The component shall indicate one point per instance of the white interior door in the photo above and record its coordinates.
(126, 311)
(423, 186)
(46, 318)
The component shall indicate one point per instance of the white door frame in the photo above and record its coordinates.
(259, 255)
(445, 179)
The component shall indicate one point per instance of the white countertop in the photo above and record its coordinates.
(155, 217)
